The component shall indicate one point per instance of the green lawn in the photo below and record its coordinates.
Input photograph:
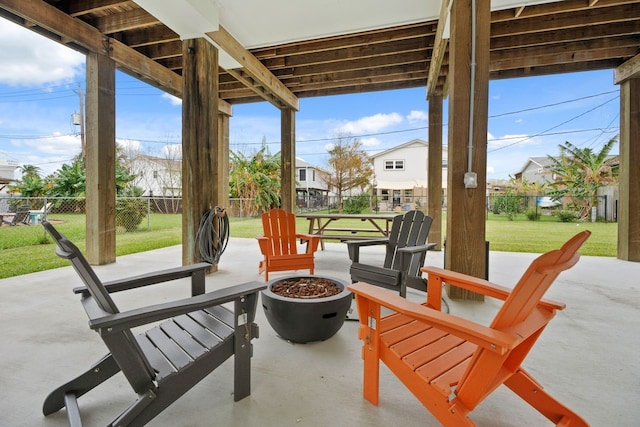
(26, 249)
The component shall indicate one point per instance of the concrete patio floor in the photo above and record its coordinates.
(587, 357)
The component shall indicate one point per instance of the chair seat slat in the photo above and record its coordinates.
(178, 335)
(212, 324)
(202, 335)
(172, 351)
(157, 360)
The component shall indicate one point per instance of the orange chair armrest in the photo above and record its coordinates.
(491, 339)
(438, 275)
(262, 242)
(313, 239)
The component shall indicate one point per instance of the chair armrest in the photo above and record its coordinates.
(488, 338)
(312, 239)
(153, 313)
(195, 271)
(263, 242)
(306, 236)
(417, 249)
(353, 246)
(438, 275)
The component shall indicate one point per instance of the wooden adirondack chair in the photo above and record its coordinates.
(196, 336)
(406, 249)
(451, 364)
(279, 247)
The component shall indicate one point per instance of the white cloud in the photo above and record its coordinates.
(129, 145)
(31, 59)
(172, 151)
(57, 144)
(174, 100)
(416, 116)
(369, 142)
(375, 123)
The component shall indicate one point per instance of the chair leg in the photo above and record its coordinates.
(99, 373)
(533, 393)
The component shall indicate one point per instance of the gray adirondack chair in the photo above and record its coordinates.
(406, 250)
(21, 216)
(196, 336)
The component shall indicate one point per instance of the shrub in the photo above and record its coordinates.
(533, 215)
(566, 216)
(509, 204)
(356, 204)
(131, 210)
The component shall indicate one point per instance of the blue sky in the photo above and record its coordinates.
(529, 117)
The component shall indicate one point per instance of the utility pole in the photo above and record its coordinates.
(83, 142)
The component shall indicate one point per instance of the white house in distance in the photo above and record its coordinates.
(401, 175)
(536, 170)
(157, 176)
(7, 169)
(311, 186)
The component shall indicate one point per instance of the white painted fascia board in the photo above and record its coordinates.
(189, 18)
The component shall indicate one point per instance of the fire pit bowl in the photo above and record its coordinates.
(306, 318)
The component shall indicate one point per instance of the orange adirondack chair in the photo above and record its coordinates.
(451, 364)
(279, 244)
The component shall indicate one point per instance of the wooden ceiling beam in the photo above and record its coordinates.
(254, 68)
(439, 48)
(558, 21)
(399, 47)
(172, 49)
(562, 56)
(590, 32)
(571, 67)
(545, 9)
(148, 36)
(79, 8)
(407, 32)
(628, 70)
(354, 64)
(125, 21)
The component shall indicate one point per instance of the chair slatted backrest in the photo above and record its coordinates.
(280, 227)
(410, 229)
(485, 367)
(21, 216)
(123, 346)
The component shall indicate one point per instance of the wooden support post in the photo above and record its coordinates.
(629, 181)
(100, 161)
(466, 207)
(288, 150)
(222, 170)
(434, 170)
(201, 163)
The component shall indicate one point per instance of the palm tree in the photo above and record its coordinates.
(256, 177)
(582, 172)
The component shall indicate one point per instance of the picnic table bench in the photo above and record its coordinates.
(375, 225)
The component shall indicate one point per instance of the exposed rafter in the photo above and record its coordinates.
(439, 49)
(628, 70)
(254, 74)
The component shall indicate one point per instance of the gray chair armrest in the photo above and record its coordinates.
(417, 249)
(153, 313)
(353, 246)
(195, 271)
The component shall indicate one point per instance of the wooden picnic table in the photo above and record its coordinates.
(376, 225)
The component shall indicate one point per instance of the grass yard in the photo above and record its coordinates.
(26, 250)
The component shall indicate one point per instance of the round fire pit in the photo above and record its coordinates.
(309, 312)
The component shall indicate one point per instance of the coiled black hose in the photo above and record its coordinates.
(212, 236)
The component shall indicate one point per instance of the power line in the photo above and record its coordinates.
(553, 127)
